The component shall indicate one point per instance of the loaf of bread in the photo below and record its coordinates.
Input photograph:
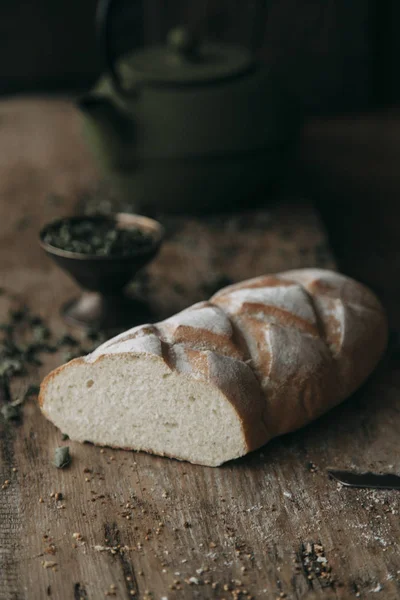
(221, 378)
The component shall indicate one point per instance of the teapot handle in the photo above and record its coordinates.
(104, 14)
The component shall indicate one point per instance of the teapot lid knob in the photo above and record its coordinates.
(188, 59)
(183, 42)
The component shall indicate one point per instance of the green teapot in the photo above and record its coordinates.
(189, 126)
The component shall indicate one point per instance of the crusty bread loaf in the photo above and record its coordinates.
(221, 378)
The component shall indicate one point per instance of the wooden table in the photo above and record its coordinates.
(129, 524)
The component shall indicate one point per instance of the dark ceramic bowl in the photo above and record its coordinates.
(103, 278)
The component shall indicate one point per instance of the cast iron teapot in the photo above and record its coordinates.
(188, 126)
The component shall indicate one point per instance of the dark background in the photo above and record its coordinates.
(337, 55)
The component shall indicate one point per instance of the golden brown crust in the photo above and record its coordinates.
(201, 339)
(275, 313)
(255, 283)
(354, 323)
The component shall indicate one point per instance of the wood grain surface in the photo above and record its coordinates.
(270, 525)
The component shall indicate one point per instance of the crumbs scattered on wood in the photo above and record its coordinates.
(377, 588)
(48, 564)
(112, 591)
(315, 564)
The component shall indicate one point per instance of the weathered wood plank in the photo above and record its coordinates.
(247, 521)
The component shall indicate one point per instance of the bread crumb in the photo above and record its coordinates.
(48, 564)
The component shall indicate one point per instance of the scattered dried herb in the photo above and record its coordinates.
(40, 333)
(67, 340)
(16, 357)
(30, 355)
(5, 394)
(18, 315)
(11, 412)
(35, 320)
(11, 366)
(64, 436)
(33, 390)
(48, 348)
(62, 457)
(98, 237)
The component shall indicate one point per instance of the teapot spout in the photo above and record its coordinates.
(110, 121)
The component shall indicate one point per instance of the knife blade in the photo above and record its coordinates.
(386, 481)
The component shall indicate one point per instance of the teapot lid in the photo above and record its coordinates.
(185, 60)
